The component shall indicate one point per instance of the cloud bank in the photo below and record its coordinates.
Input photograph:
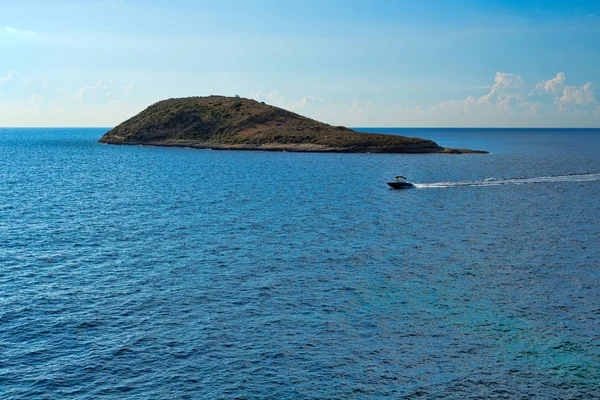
(510, 94)
(39, 104)
(509, 101)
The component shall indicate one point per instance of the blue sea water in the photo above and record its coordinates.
(146, 272)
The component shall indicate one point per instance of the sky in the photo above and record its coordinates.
(385, 63)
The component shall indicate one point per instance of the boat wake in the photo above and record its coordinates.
(513, 181)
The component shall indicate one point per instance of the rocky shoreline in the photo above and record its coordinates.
(299, 148)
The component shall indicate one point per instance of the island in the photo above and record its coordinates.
(234, 123)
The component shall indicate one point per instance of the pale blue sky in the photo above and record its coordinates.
(355, 63)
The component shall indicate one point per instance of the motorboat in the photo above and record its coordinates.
(400, 183)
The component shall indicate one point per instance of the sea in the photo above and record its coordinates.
(172, 273)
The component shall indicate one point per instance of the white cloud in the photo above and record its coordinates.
(510, 101)
(505, 92)
(306, 100)
(551, 86)
(16, 76)
(8, 78)
(274, 96)
(505, 95)
(549, 97)
(275, 99)
(580, 95)
(99, 87)
(36, 101)
(565, 97)
(99, 104)
(22, 33)
(458, 106)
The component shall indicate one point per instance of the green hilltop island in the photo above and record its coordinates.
(233, 123)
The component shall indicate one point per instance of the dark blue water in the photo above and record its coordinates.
(144, 272)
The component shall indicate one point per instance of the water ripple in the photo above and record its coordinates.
(139, 272)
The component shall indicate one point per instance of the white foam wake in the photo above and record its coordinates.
(513, 181)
